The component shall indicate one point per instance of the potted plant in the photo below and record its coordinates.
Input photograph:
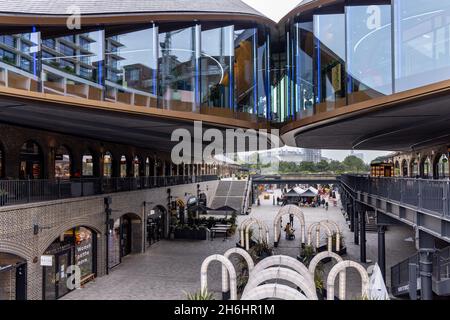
(308, 252)
(3, 197)
(200, 295)
(261, 250)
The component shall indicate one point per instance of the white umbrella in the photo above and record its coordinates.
(377, 287)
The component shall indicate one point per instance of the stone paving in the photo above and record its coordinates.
(170, 268)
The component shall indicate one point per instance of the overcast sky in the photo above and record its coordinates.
(277, 9)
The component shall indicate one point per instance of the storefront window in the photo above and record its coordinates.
(442, 170)
(369, 51)
(62, 163)
(123, 167)
(76, 246)
(88, 165)
(136, 166)
(177, 69)
(217, 59)
(31, 161)
(147, 167)
(422, 42)
(414, 168)
(131, 62)
(107, 165)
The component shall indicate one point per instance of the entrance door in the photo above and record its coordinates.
(55, 277)
(21, 282)
(63, 260)
(126, 236)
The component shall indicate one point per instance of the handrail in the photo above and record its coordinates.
(432, 196)
(13, 192)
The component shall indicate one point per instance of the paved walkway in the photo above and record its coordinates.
(170, 268)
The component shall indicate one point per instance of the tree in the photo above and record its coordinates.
(355, 165)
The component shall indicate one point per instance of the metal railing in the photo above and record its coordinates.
(429, 195)
(13, 192)
(441, 269)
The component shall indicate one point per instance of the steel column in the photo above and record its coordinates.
(382, 250)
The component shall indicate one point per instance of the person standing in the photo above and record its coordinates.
(291, 219)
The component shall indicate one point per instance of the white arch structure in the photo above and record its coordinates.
(279, 273)
(342, 267)
(287, 210)
(262, 226)
(242, 228)
(231, 271)
(338, 233)
(318, 226)
(227, 254)
(277, 291)
(286, 261)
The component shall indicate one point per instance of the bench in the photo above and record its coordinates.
(87, 279)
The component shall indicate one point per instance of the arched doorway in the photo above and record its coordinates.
(123, 166)
(2, 163)
(13, 277)
(31, 161)
(136, 167)
(441, 168)
(397, 170)
(87, 167)
(426, 168)
(404, 168)
(63, 163)
(108, 165)
(76, 246)
(414, 168)
(124, 238)
(156, 225)
(147, 167)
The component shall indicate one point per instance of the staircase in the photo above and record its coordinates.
(400, 274)
(230, 193)
(371, 221)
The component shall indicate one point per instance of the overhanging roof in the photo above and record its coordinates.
(100, 7)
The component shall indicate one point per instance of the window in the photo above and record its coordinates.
(107, 165)
(2, 168)
(8, 56)
(62, 163)
(88, 165)
(25, 64)
(66, 50)
(50, 43)
(10, 41)
(123, 167)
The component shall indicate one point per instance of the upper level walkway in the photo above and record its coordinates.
(421, 203)
(14, 192)
(295, 178)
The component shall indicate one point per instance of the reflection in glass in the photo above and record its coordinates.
(131, 67)
(107, 165)
(369, 53)
(244, 70)
(304, 69)
(177, 62)
(217, 58)
(88, 165)
(329, 31)
(422, 29)
(62, 163)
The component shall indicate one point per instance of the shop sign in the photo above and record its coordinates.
(46, 261)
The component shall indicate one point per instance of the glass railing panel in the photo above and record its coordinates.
(369, 51)
(422, 44)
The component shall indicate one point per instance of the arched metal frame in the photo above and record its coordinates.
(287, 210)
(318, 226)
(277, 291)
(231, 271)
(227, 254)
(342, 267)
(262, 229)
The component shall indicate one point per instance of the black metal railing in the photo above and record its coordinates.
(13, 192)
(429, 195)
(400, 272)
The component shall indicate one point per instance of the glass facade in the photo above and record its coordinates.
(323, 59)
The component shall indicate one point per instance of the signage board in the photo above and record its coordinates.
(46, 261)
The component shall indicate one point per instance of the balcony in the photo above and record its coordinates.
(15, 192)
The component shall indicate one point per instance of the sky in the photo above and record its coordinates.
(274, 9)
(277, 9)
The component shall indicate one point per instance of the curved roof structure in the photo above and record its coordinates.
(88, 7)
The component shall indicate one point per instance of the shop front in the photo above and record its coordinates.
(77, 246)
(13, 277)
(124, 238)
(155, 226)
